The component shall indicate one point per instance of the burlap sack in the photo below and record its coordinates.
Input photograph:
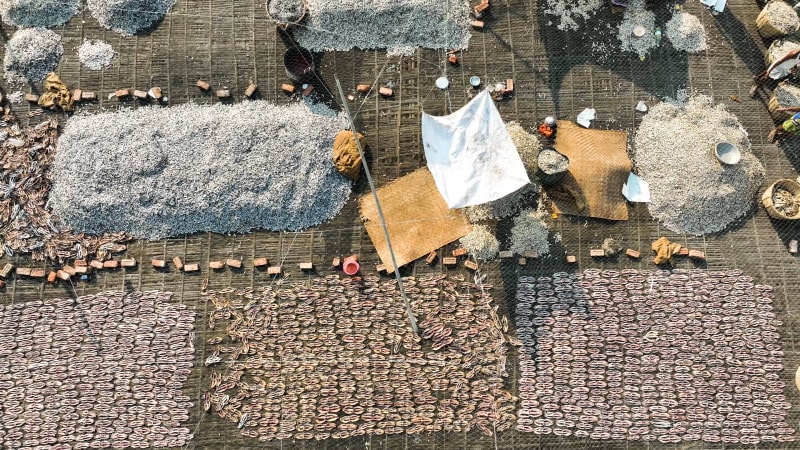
(345, 154)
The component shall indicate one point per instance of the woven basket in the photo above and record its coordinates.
(766, 198)
(765, 27)
(288, 25)
(773, 106)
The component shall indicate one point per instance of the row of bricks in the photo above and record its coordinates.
(226, 93)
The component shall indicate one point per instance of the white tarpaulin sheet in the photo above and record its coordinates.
(470, 154)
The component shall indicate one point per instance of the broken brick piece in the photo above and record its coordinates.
(194, 267)
(85, 95)
(251, 89)
(51, 277)
(141, 95)
(697, 254)
(111, 264)
(203, 85)
(6, 270)
(274, 270)
(33, 98)
(233, 263)
(683, 251)
(128, 262)
(288, 88)
(386, 91)
(506, 254)
(308, 90)
(69, 269)
(572, 259)
(159, 263)
(522, 261)
(223, 93)
(380, 268)
(477, 24)
(156, 93)
(533, 254)
(431, 257)
(216, 265)
(37, 273)
(83, 270)
(23, 271)
(471, 265)
(306, 266)
(96, 264)
(793, 246)
(509, 86)
(452, 59)
(178, 262)
(449, 261)
(260, 262)
(122, 93)
(63, 275)
(363, 88)
(597, 253)
(336, 262)
(3, 284)
(76, 95)
(459, 252)
(632, 253)
(80, 262)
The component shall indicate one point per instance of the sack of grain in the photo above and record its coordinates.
(777, 18)
(785, 95)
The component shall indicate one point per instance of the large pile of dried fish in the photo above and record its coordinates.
(686, 32)
(690, 190)
(339, 359)
(189, 168)
(636, 15)
(400, 26)
(100, 371)
(686, 355)
(38, 13)
(31, 54)
(27, 224)
(129, 17)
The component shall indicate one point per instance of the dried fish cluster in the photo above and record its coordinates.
(530, 233)
(686, 355)
(129, 17)
(96, 55)
(339, 359)
(102, 370)
(220, 168)
(691, 191)
(286, 11)
(38, 13)
(636, 15)
(400, 26)
(686, 32)
(26, 223)
(782, 16)
(785, 202)
(788, 95)
(568, 12)
(31, 54)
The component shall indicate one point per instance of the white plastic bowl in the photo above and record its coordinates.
(727, 153)
(639, 31)
(442, 82)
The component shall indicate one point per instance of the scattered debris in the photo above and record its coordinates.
(568, 12)
(96, 55)
(586, 117)
(641, 106)
(38, 13)
(31, 54)
(686, 32)
(610, 247)
(129, 17)
(503, 207)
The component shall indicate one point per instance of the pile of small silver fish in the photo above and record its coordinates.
(102, 371)
(27, 224)
(338, 359)
(686, 355)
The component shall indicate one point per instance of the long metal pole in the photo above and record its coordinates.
(411, 318)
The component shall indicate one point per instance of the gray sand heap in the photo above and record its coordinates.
(691, 191)
(159, 172)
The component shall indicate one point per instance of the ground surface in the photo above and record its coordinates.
(231, 43)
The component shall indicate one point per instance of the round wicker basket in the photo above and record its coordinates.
(287, 25)
(766, 198)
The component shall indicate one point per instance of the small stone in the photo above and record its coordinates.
(336, 262)
(380, 268)
(793, 246)
(572, 259)
(522, 261)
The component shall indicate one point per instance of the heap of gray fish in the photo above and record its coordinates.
(31, 54)
(27, 224)
(687, 355)
(95, 372)
(129, 17)
(339, 359)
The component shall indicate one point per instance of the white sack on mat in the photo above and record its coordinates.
(470, 154)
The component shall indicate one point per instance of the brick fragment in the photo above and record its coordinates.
(216, 265)
(633, 253)
(386, 91)
(505, 254)
(336, 262)
(194, 267)
(23, 271)
(159, 263)
(380, 268)
(449, 261)
(234, 263)
(6, 270)
(288, 88)
(471, 265)
(251, 90)
(308, 90)
(128, 262)
(459, 252)
(572, 259)
(33, 98)
(532, 254)
(683, 251)
(69, 269)
(223, 93)
(141, 95)
(274, 270)
(51, 277)
(363, 88)
(37, 273)
(122, 93)
(597, 253)
(76, 95)
(203, 85)
(80, 262)
(111, 264)
(178, 262)
(697, 254)
(83, 270)
(97, 264)
(431, 257)
(522, 261)
(63, 275)
(156, 93)
(793, 246)
(90, 96)
(477, 24)
(306, 266)
(260, 262)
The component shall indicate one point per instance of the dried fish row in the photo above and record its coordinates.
(27, 224)
(101, 368)
(651, 355)
(338, 359)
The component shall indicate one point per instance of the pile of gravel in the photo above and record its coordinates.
(691, 191)
(782, 16)
(481, 243)
(686, 33)
(159, 172)
(38, 13)
(788, 95)
(568, 12)
(285, 11)
(527, 144)
(400, 26)
(31, 54)
(529, 233)
(129, 17)
(637, 16)
(96, 55)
